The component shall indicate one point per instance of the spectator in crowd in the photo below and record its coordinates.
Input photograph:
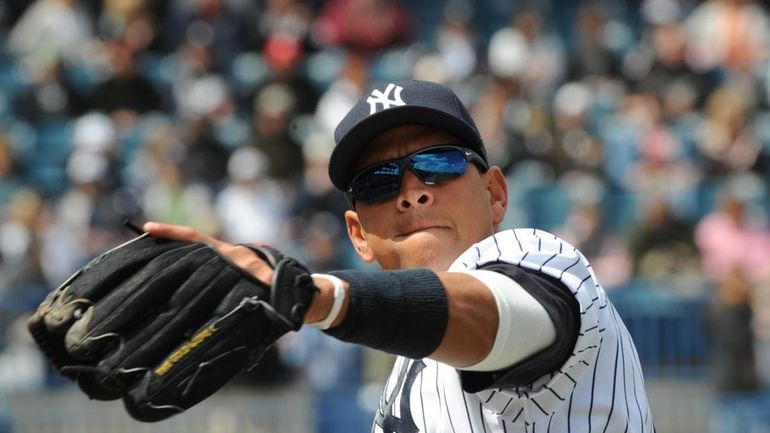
(729, 238)
(126, 93)
(590, 54)
(456, 44)
(735, 259)
(662, 63)
(364, 26)
(222, 26)
(50, 96)
(273, 106)
(11, 178)
(87, 215)
(663, 250)
(286, 41)
(170, 196)
(204, 104)
(586, 225)
(733, 35)
(726, 139)
(734, 366)
(22, 277)
(130, 20)
(251, 205)
(51, 30)
(576, 146)
(21, 368)
(283, 55)
(761, 324)
(198, 88)
(662, 166)
(205, 154)
(158, 147)
(504, 121)
(342, 93)
(529, 50)
(290, 17)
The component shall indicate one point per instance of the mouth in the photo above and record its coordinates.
(412, 231)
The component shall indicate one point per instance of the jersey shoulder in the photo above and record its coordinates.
(541, 252)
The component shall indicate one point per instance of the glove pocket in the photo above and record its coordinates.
(204, 363)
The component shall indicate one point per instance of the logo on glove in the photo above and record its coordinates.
(180, 353)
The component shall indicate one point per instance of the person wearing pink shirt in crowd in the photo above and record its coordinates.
(735, 257)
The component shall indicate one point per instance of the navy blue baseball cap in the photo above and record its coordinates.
(395, 104)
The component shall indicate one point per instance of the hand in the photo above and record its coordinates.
(240, 255)
(250, 261)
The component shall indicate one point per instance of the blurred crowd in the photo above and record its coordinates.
(638, 130)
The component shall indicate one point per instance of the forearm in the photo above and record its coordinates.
(472, 324)
(472, 321)
(490, 322)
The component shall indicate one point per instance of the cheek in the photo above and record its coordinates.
(477, 220)
(373, 219)
(376, 224)
(476, 213)
(383, 250)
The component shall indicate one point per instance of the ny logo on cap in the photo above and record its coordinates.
(378, 97)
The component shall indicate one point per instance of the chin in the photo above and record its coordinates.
(426, 250)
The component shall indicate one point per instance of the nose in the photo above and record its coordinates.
(413, 193)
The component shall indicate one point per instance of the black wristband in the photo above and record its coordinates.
(400, 312)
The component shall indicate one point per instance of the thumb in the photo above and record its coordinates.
(179, 233)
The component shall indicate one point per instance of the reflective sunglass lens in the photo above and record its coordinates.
(441, 166)
(378, 183)
(432, 166)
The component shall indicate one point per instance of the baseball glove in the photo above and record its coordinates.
(164, 324)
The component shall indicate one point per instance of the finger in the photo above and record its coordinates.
(249, 261)
(241, 256)
(179, 233)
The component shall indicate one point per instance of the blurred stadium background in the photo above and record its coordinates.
(639, 130)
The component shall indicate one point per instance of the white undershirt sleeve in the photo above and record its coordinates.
(524, 325)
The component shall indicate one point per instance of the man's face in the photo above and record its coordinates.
(425, 226)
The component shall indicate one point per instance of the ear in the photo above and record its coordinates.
(357, 236)
(498, 193)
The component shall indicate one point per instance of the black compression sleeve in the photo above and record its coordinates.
(401, 312)
(564, 311)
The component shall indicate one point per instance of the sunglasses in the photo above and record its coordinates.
(432, 165)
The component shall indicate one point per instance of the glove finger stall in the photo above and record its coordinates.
(101, 275)
(64, 305)
(128, 351)
(210, 290)
(131, 301)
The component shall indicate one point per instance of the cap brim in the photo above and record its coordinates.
(351, 146)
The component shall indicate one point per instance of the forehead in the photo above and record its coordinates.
(401, 141)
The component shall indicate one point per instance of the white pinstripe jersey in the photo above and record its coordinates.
(599, 389)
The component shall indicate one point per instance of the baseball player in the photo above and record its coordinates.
(497, 331)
